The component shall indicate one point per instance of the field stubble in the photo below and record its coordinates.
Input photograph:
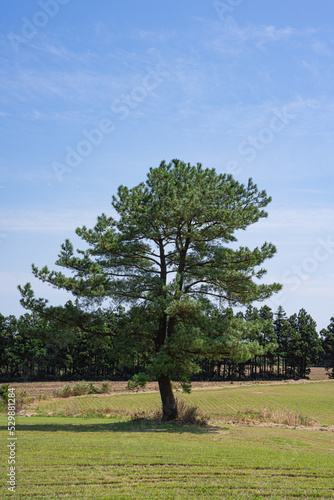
(308, 404)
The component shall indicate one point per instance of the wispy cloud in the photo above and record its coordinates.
(232, 39)
(321, 48)
(68, 85)
(157, 36)
(261, 34)
(300, 219)
(81, 77)
(46, 221)
(64, 116)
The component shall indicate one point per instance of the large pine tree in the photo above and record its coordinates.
(167, 254)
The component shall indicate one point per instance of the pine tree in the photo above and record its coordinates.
(328, 347)
(167, 254)
(283, 333)
(304, 348)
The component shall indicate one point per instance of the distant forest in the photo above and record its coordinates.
(30, 349)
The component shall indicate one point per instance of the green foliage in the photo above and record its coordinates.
(22, 398)
(138, 382)
(4, 395)
(86, 356)
(92, 389)
(79, 389)
(305, 344)
(328, 347)
(64, 392)
(105, 387)
(186, 414)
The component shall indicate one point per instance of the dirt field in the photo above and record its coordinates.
(36, 388)
(318, 374)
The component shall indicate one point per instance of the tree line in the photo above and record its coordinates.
(32, 349)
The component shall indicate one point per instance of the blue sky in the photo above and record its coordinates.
(93, 94)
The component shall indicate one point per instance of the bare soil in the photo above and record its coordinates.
(318, 373)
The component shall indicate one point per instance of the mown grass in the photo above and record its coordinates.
(312, 400)
(113, 459)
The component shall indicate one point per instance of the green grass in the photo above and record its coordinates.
(114, 458)
(110, 459)
(315, 400)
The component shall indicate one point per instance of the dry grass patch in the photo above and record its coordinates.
(276, 416)
(187, 414)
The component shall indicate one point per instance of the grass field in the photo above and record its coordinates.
(313, 399)
(114, 458)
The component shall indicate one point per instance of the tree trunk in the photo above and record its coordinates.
(278, 361)
(169, 408)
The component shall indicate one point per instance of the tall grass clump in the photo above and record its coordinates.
(22, 398)
(80, 389)
(186, 414)
(105, 387)
(277, 416)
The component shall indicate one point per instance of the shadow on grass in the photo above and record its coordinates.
(127, 426)
(172, 428)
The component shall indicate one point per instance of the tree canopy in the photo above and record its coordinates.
(167, 257)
